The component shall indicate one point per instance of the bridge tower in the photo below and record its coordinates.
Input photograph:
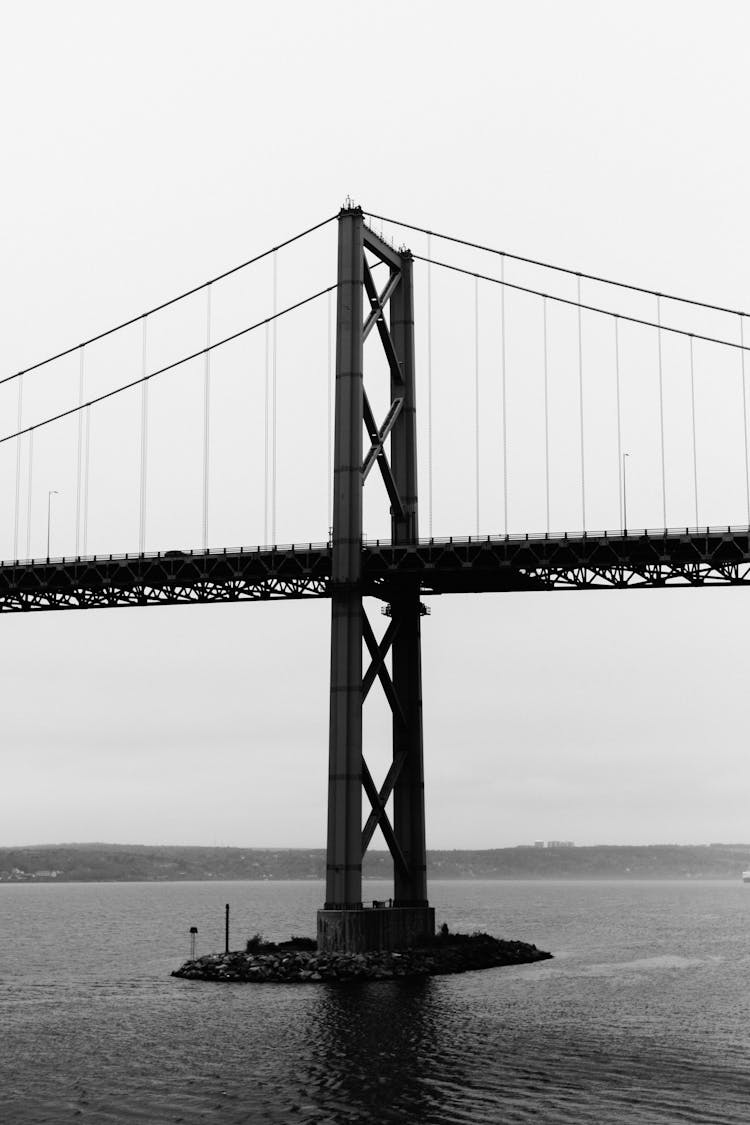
(344, 923)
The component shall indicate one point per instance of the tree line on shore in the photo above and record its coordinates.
(131, 863)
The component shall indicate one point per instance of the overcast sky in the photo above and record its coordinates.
(150, 146)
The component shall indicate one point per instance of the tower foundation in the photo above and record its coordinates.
(374, 927)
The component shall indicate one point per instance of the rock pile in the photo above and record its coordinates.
(458, 953)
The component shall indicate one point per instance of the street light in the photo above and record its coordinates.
(624, 493)
(51, 492)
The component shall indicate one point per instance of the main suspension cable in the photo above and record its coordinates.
(171, 301)
(587, 308)
(169, 367)
(555, 268)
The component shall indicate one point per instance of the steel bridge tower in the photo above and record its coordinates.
(344, 923)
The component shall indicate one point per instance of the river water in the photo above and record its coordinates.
(643, 1015)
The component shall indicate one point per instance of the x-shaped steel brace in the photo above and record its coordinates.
(377, 305)
(378, 653)
(379, 436)
(379, 816)
(378, 800)
(376, 451)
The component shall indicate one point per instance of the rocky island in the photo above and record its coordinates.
(299, 961)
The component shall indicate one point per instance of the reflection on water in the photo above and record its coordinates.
(642, 1016)
(370, 1045)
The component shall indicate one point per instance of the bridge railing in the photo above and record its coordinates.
(322, 546)
(629, 533)
(171, 555)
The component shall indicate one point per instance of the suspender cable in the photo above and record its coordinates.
(695, 445)
(619, 423)
(30, 483)
(546, 412)
(744, 416)
(329, 414)
(503, 396)
(429, 387)
(144, 439)
(580, 406)
(86, 464)
(266, 480)
(273, 404)
(476, 392)
(661, 414)
(206, 416)
(16, 516)
(79, 456)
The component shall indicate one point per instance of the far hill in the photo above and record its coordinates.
(132, 863)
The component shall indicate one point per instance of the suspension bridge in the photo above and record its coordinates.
(537, 402)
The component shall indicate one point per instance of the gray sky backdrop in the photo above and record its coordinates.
(147, 147)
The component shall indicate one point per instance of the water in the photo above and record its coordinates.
(643, 1016)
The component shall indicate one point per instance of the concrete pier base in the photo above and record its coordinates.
(376, 927)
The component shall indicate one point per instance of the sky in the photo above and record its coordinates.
(147, 148)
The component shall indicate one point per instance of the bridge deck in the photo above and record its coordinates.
(600, 560)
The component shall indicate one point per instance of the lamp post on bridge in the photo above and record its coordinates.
(50, 493)
(625, 493)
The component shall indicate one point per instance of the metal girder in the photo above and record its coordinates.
(655, 560)
(659, 576)
(169, 578)
(112, 597)
(380, 248)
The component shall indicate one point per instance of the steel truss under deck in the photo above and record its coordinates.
(687, 557)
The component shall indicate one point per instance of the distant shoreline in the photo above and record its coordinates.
(601, 878)
(130, 863)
